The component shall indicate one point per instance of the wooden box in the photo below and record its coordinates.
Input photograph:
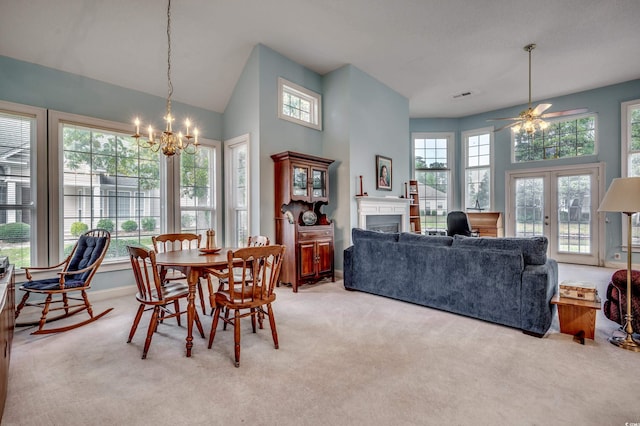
(578, 290)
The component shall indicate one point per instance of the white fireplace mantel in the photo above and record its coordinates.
(368, 206)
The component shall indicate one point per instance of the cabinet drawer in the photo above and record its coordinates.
(314, 234)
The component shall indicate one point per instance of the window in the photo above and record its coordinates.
(575, 137)
(22, 131)
(198, 178)
(433, 154)
(237, 177)
(108, 182)
(631, 160)
(478, 149)
(299, 105)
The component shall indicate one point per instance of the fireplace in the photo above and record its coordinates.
(385, 214)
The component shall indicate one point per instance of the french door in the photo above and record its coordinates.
(560, 204)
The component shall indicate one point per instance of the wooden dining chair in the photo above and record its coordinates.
(74, 276)
(153, 295)
(172, 242)
(252, 295)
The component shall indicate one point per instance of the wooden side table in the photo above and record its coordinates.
(576, 315)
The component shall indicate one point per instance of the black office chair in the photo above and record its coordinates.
(458, 224)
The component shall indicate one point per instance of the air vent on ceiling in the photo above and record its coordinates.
(462, 95)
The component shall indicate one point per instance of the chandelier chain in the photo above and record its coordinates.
(169, 84)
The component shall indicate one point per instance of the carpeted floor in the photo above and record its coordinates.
(345, 358)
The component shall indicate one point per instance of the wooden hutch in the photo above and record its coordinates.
(301, 189)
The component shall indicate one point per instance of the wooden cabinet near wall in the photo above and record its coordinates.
(301, 189)
(7, 323)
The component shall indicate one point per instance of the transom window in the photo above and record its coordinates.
(299, 105)
(575, 137)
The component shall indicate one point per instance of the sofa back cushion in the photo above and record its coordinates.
(430, 240)
(533, 249)
(358, 234)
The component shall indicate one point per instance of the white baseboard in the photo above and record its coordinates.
(110, 293)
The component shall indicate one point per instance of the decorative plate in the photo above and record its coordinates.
(309, 217)
(210, 251)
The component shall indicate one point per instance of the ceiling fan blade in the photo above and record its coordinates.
(505, 127)
(566, 112)
(540, 109)
(504, 118)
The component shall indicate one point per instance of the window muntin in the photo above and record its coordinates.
(575, 137)
(117, 184)
(478, 159)
(299, 105)
(433, 154)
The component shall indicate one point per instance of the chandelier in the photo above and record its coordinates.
(168, 141)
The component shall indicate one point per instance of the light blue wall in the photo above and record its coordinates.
(364, 118)
(605, 102)
(277, 135)
(35, 85)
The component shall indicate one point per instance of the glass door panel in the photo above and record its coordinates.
(574, 214)
(300, 177)
(529, 206)
(319, 190)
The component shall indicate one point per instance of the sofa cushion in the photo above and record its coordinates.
(409, 237)
(533, 249)
(358, 234)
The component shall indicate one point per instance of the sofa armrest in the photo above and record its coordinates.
(348, 267)
(539, 285)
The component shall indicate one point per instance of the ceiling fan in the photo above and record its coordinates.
(532, 119)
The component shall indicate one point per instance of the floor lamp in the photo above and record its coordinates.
(624, 196)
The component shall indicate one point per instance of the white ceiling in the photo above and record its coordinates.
(426, 50)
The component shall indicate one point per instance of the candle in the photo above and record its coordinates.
(137, 123)
(187, 123)
(195, 132)
(150, 134)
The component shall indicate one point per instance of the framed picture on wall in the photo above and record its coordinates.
(383, 172)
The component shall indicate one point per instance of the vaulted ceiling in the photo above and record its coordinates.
(427, 50)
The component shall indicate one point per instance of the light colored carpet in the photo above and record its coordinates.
(345, 358)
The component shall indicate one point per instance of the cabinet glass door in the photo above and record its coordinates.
(319, 183)
(300, 176)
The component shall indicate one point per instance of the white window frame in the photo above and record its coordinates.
(215, 168)
(556, 120)
(465, 138)
(231, 196)
(451, 139)
(56, 178)
(625, 133)
(315, 99)
(39, 228)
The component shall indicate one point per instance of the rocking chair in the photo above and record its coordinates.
(75, 275)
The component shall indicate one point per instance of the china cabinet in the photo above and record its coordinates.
(301, 189)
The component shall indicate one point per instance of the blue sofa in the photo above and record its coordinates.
(508, 281)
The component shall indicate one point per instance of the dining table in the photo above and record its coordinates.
(195, 262)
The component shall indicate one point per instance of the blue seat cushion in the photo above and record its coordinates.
(52, 284)
(88, 250)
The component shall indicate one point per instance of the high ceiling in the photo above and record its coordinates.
(426, 50)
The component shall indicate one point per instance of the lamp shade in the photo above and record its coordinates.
(622, 196)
